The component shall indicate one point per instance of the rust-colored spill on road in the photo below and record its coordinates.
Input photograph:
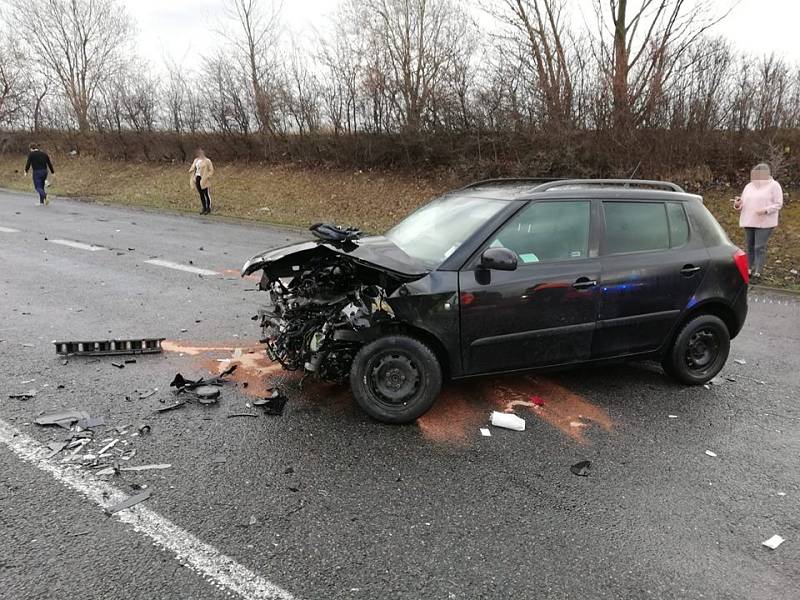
(235, 274)
(463, 408)
(252, 365)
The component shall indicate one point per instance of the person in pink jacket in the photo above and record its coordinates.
(759, 205)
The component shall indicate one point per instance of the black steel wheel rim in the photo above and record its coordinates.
(702, 349)
(394, 378)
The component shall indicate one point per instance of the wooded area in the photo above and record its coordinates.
(493, 86)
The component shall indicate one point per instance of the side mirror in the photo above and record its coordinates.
(499, 259)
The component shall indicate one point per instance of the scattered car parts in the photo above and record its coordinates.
(110, 347)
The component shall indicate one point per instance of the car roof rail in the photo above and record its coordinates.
(510, 180)
(643, 183)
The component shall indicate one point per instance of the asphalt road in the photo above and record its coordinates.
(322, 502)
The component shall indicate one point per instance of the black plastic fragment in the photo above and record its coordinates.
(582, 468)
(273, 405)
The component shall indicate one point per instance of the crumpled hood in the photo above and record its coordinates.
(375, 251)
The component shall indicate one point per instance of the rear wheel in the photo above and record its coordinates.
(699, 351)
(395, 379)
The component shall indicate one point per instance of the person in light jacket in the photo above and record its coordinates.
(201, 171)
(759, 205)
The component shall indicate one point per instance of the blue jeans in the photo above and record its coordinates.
(39, 177)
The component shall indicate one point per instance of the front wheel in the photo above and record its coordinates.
(395, 379)
(699, 351)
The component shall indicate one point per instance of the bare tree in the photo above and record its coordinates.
(536, 30)
(14, 82)
(418, 39)
(78, 42)
(255, 36)
(640, 44)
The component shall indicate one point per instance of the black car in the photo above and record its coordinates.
(506, 275)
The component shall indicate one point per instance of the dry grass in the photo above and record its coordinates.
(294, 196)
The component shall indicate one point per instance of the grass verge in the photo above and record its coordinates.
(294, 196)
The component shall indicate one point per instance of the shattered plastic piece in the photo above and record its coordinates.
(673, 416)
(108, 446)
(91, 422)
(485, 432)
(207, 394)
(171, 406)
(146, 467)
(508, 421)
(146, 395)
(229, 370)
(180, 382)
(62, 418)
(130, 361)
(273, 405)
(740, 361)
(55, 448)
(106, 471)
(581, 469)
(23, 395)
(143, 429)
(118, 365)
(718, 380)
(710, 453)
(232, 415)
(773, 542)
(127, 503)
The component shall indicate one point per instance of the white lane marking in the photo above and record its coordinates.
(8, 230)
(205, 560)
(78, 245)
(179, 267)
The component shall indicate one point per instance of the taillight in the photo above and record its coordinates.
(740, 258)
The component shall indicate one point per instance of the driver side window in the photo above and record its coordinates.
(548, 231)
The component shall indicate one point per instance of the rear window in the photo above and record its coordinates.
(635, 227)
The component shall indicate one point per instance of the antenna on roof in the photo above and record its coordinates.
(639, 164)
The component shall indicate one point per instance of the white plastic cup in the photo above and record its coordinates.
(508, 421)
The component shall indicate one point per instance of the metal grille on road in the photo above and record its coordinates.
(107, 347)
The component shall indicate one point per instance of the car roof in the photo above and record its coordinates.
(524, 189)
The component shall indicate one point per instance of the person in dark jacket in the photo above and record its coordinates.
(39, 162)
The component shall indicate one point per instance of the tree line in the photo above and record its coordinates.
(387, 67)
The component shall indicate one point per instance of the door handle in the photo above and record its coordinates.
(689, 270)
(583, 283)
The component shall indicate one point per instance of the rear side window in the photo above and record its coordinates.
(635, 227)
(678, 225)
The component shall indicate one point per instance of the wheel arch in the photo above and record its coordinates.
(718, 308)
(424, 336)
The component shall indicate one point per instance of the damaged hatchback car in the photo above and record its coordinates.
(502, 276)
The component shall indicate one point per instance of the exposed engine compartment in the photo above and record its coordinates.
(318, 317)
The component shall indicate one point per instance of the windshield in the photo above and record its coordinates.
(436, 230)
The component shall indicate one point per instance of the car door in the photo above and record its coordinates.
(651, 267)
(543, 312)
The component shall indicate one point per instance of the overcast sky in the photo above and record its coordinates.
(181, 28)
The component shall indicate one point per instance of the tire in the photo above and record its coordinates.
(699, 351)
(395, 379)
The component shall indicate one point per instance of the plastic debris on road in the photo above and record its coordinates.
(62, 418)
(581, 469)
(740, 361)
(273, 405)
(507, 421)
(30, 394)
(710, 453)
(485, 432)
(128, 502)
(672, 416)
(773, 542)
